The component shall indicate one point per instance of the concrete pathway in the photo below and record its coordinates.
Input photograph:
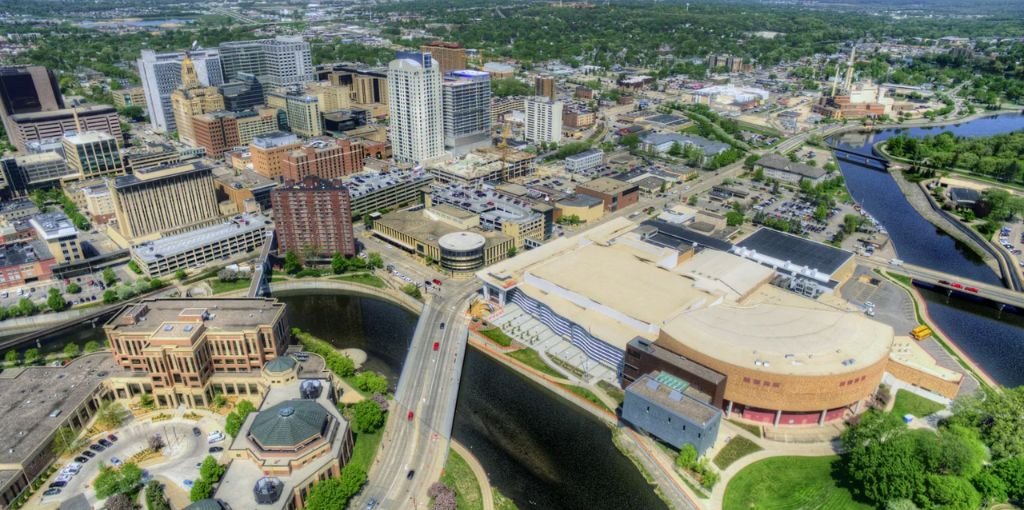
(478, 470)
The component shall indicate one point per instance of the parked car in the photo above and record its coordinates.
(215, 436)
(81, 459)
(188, 484)
(89, 454)
(57, 484)
(436, 345)
(409, 476)
(105, 443)
(51, 492)
(112, 437)
(216, 449)
(96, 448)
(196, 432)
(116, 461)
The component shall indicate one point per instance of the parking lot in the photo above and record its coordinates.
(178, 464)
(37, 291)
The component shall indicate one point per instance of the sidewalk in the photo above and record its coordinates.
(481, 476)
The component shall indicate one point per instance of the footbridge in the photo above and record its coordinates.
(868, 160)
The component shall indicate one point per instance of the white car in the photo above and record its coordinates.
(215, 437)
(116, 461)
(65, 477)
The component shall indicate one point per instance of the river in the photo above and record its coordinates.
(537, 449)
(995, 342)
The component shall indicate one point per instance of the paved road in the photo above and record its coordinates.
(924, 274)
(428, 388)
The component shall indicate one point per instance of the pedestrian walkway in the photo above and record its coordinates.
(478, 470)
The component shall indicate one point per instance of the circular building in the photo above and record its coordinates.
(462, 251)
(281, 369)
(785, 365)
(290, 426)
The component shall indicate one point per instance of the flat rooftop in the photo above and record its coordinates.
(23, 253)
(487, 203)
(654, 388)
(370, 181)
(153, 251)
(53, 225)
(606, 185)
(216, 315)
(155, 173)
(242, 179)
(29, 395)
(415, 224)
(796, 250)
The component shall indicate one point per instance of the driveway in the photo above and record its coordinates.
(182, 453)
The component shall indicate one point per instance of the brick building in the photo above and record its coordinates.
(314, 216)
(614, 193)
(327, 158)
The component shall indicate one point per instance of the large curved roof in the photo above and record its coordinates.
(205, 504)
(782, 338)
(280, 364)
(289, 423)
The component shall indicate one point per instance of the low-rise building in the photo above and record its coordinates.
(672, 411)
(583, 161)
(663, 142)
(496, 212)
(34, 171)
(268, 152)
(247, 191)
(242, 234)
(582, 208)
(782, 169)
(18, 209)
(148, 156)
(60, 236)
(134, 96)
(614, 193)
(326, 158)
(446, 235)
(379, 190)
(25, 262)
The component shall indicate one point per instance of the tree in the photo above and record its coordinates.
(26, 307)
(675, 150)
(999, 418)
(374, 260)
(110, 414)
(180, 274)
(990, 486)
(155, 442)
(900, 504)
(109, 277)
(733, 218)
(292, 264)
(368, 416)
(882, 458)
(211, 470)
(109, 296)
(119, 502)
(106, 482)
(91, 346)
(412, 290)
(339, 264)
(511, 252)
(632, 141)
(71, 350)
(74, 288)
(687, 456)
(1011, 472)
(65, 441)
(749, 162)
(237, 417)
(130, 478)
(55, 300)
(336, 492)
(11, 357)
(949, 492)
(134, 266)
(201, 489)
(155, 498)
(32, 355)
(371, 382)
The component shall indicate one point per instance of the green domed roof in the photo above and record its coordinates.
(280, 364)
(205, 504)
(289, 423)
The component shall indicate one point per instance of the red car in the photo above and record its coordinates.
(971, 289)
(437, 282)
(956, 285)
(409, 416)
(436, 345)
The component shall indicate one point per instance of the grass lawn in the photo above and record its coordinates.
(587, 394)
(459, 476)
(785, 483)
(279, 278)
(612, 390)
(737, 448)
(909, 403)
(220, 287)
(362, 279)
(365, 448)
(497, 335)
(531, 358)
(749, 427)
(501, 502)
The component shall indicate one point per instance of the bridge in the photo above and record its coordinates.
(260, 285)
(868, 160)
(999, 296)
(428, 389)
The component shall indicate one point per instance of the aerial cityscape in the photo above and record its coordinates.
(480, 255)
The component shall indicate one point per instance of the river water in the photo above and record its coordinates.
(995, 342)
(537, 449)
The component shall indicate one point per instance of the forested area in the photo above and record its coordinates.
(1000, 156)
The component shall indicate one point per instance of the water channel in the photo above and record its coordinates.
(537, 449)
(995, 341)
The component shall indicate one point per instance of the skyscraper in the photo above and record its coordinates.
(161, 75)
(278, 62)
(28, 89)
(414, 105)
(449, 56)
(191, 99)
(243, 92)
(544, 86)
(543, 119)
(314, 216)
(467, 110)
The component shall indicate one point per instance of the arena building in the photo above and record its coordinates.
(708, 317)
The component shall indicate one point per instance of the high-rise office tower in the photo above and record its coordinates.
(278, 62)
(449, 56)
(161, 75)
(164, 198)
(544, 86)
(467, 110)
(244, 92)
(543, 119)
(416, 119)
(314, 215)
(28, 89)
(191, 99)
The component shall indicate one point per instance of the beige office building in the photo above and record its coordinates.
(164, 199)
(134, 96)
(331, 98)
(192, 99)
